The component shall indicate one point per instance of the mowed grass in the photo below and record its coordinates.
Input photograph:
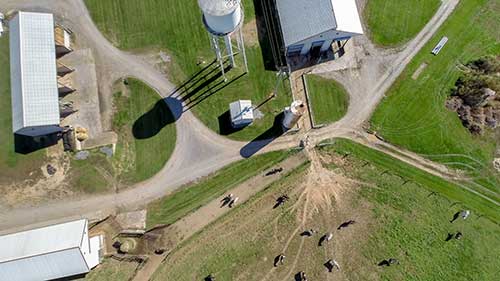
(111, 269)
(176, 27)
(188, 199)
(393, 221)
(413, 115)
(146, 131)
(395, 22)
(329, 100)
(13, 166)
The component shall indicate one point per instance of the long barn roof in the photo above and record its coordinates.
(33, 71)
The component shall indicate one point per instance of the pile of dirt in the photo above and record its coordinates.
(475, 96)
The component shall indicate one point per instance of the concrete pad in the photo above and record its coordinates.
(85, 99)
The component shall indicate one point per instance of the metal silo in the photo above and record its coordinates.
(223, 19)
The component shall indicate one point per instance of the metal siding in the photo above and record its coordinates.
(15, 75)
(45, 267)
(301, 19)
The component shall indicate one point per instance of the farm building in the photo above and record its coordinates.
(241, 113)
(311, 26)
(34, 88)
(48, 253)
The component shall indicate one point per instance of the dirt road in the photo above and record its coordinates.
(198, 151)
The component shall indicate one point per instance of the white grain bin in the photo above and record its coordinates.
(221, 17)
(241, 113)
(293, 114)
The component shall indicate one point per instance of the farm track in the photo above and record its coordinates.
(199, 151)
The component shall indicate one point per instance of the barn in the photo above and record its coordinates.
(52, 252)
(311, 26)
(34, 89)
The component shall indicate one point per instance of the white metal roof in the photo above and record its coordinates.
(33, 71)
(302, 19)
(42, 240)
(347, 16)
(241, 110)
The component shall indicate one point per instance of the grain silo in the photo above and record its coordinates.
(223, 19)
(293, 114)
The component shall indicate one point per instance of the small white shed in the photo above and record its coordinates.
(241, 113)
(47, 253)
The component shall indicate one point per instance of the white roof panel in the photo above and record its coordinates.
(41, 241)
(241, 110)
(36, 70)
(347, 16)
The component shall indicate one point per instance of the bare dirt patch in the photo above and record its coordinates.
(49, 187)
(419, 71)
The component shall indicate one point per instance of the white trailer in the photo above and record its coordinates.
(439, 45)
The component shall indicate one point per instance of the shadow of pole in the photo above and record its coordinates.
(265, 138)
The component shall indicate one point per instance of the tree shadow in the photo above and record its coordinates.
(153, 121)
(27, 144)
(269, 34)
(265, 138)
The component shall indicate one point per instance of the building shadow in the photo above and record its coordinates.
(153, 121)
(27, 144)
(225, 126)
(269, 34)
(71, 278)
(265, 138)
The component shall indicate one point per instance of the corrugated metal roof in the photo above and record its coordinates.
(301, 19)
(41, 241)
(33, 71)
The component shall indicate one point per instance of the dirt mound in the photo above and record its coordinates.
(323, 187)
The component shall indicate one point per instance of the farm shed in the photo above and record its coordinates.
(241, 113)
(47, 253)
(311, 26)
(34, 91)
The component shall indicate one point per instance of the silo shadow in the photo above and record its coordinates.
(265, 138)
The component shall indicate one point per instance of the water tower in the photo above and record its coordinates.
(223, 19)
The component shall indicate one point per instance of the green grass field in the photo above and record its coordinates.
(414, 116)
(393, 221)
(329, 100)
(146, 132)
(188, 199)
(392, 22)
(176, 26)
(13, 166)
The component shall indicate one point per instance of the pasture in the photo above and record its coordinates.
(393, 220)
